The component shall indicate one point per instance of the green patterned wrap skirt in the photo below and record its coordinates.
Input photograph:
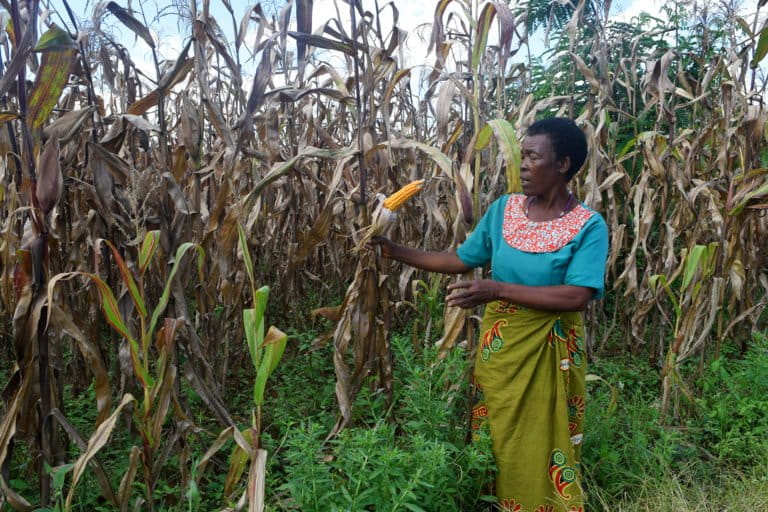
(531, 369)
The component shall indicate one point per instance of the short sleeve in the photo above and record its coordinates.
(587, 265)
(477, 249)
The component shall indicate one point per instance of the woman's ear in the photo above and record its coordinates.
(565, 164)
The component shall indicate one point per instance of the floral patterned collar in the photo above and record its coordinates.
(546, 236)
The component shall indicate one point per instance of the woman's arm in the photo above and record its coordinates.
(468, 294)
(446, 262)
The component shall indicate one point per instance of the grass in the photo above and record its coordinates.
(413, 455)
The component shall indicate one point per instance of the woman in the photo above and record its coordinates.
(547, 253)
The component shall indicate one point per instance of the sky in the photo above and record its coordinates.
(415, 17)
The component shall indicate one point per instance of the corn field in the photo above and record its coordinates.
(142, 211)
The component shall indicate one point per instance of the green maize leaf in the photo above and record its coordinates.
(246, 258)
(654, 280)
(483, 138)
(128, 279)
(54, 39)
(481, 40)
(626, 148)
(660, 279)
(111, 315)
(238, 460)
(249, 325)
(274, 347)
(762, 47)
(712, 248)
(763, 190)
(744, 26)
(147, 249)
(692, 264)
(50, 81)
(253, 321)
(510, 148)
(180, 252)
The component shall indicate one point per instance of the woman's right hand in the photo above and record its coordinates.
(385, 245)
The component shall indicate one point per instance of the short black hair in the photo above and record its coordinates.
(567, 140)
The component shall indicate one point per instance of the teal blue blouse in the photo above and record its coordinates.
(571, 250)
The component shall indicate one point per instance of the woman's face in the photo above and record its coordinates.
(540, 170)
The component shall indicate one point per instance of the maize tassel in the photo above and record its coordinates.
(396, 200)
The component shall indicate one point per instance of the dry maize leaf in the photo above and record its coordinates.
(443, 109)
(254, 13)
(15, 499)
(98, 468)
(453, 320)
(217, 120)
(440, 158)
(140, 123)
(464, 180)
(173, 189)
(737, 276)
(190, 127)
(324, 42)
(14, 408)
(260, 81)
(332, 313)
(256, 481)
(50, 181)
(219, 42)
(484, 23)
(95, 443)
(19, 60)
(224, 436)
(68, 125)
(61, 322)
(124, 491)
(207, 395)
(585, 71)
(437, 37)
(181, 68)
(510, 148)
(132, 23)
(8, 116)
(108, 72)
(116, 166)
(313, 237)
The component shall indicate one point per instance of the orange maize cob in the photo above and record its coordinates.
(397, 199)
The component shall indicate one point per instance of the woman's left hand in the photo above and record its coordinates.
(468, 294)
